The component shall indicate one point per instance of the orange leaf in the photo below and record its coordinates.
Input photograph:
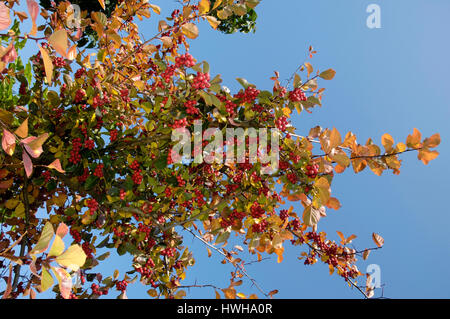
(22, 131)
(387, 142)
(426, 155)
(378, 240)
(333, 203)
(48, 65)
(432, 141)
(414, 139)
(57, 166)
(62, 230)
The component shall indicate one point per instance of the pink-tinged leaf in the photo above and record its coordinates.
(5, 19)
(33, 144)
(64, 280)
(8, 54)
(33, 9)
(27, 163)
(57, 166)
(8, 142)
(62, 230)
(8, 289)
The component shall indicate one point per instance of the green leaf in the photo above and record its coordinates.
(328, 74)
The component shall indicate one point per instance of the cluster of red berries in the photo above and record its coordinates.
(297, 95)
(292, 177)
(80, 95)
(96, 290)
(295, 224)
(281, 123)
(181, 181)
(230, 219)
(201, 81)
(186, 60)
(122, 194)
(169, 251)
(137, 176)
(80, 72)
(99, 171)
(283, 165)
(47, 176)
(121, 285)
(256, 210)
(190, 107)
(87, 249)
(75, 235)
(261, 227)
(118, 233)
(284, 214)
(199, 197)
(89, 144)
(124, 94)
(180, 123)
(84, 177)
(168, 73)
(92, 205)
(75, 156)
(23, 88)
(113, 134)
(282, 91)
(250, 94)
(312, 170)
(59, 62)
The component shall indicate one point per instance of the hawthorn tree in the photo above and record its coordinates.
(87, 141)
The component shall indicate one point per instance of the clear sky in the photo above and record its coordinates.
(388, 80)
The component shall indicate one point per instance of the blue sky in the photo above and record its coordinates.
(388, 80)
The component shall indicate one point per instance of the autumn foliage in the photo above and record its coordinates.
(85, 165)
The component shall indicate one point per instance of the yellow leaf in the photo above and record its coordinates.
(241, 295)
(11, 203)
(57, 247)
(44, 240)
(64, 281)
(22, 131)
(20, 211)
(102, 3)
(287, 111)
(204, 6)
(167, 42)
(216, 4)
(74, 258)
(58, 40)
(213, 22)
(46, 279)
(190, 30)
(387, 142)
(155, 8)
(378, 240)
(335, 138)
(48, 64)
(36, 144)
(328, 74)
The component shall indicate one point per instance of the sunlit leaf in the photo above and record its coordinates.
(377, 239)
(190, 30)
(74, 258)
(44, 240)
